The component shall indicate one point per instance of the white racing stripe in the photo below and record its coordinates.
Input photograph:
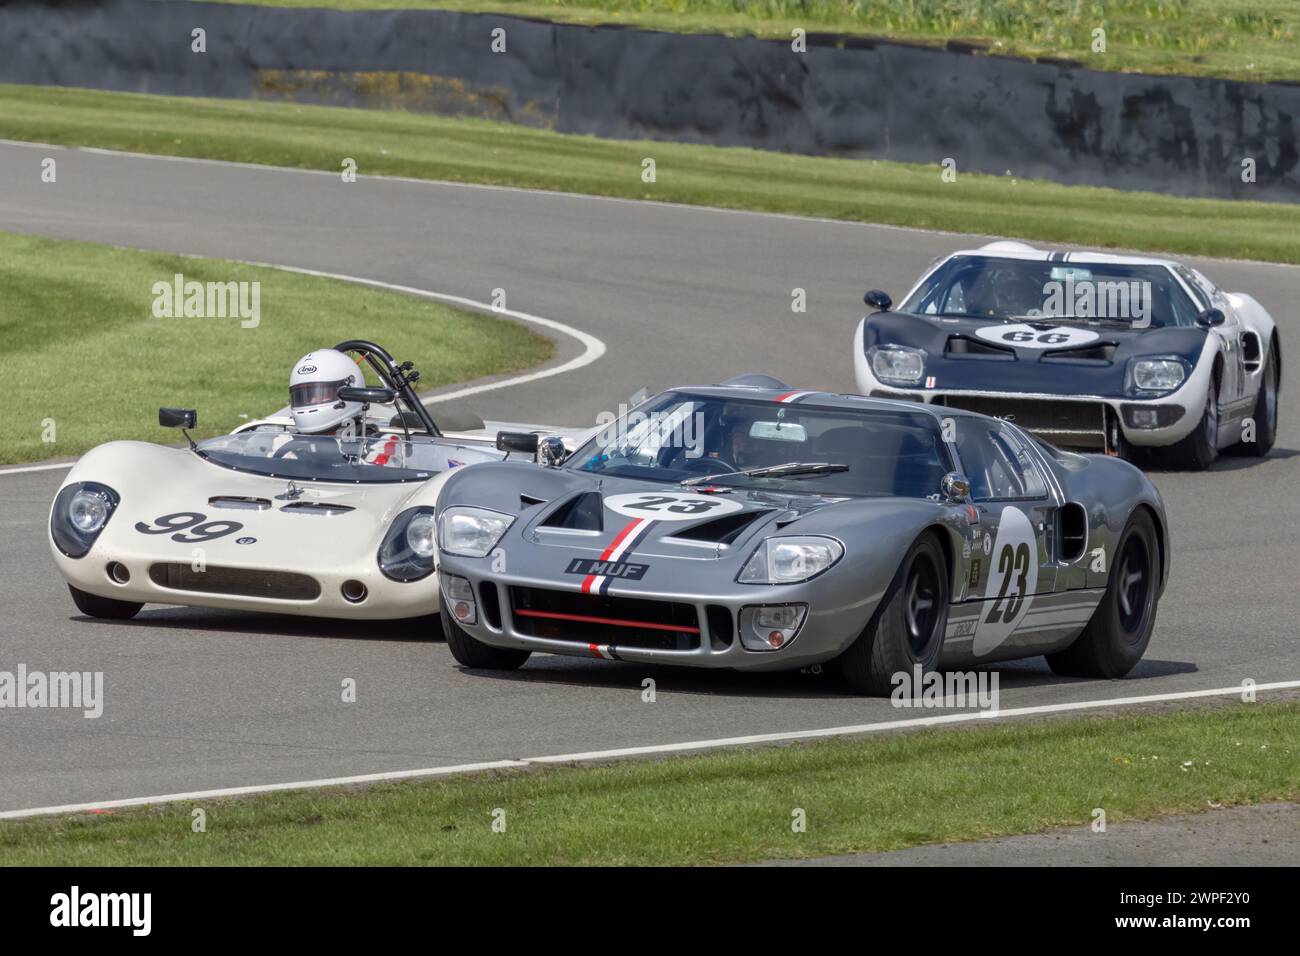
(714, 744)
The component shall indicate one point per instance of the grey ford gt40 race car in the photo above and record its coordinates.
(752, 526)
(1092, 351)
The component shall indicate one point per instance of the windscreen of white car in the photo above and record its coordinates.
(679, 437)
(1104, 293)
(376, 459)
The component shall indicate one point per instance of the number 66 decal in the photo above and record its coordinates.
(189, 527)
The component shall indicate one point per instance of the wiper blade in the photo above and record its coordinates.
(791, 469)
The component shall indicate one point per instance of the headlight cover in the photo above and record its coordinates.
(406, 553)
(897, 364)
(1157, 375)
(81, 511)
(788, 560)
(471, 532)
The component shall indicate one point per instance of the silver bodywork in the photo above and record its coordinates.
(876, 532)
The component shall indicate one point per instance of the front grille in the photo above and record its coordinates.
(602, 619)
(244, 582)
(1067, 424)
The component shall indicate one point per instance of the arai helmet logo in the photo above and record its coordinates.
(307, 370)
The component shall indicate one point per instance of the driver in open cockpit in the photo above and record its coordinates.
(316, 409)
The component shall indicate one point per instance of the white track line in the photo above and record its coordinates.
(717, 743)
(592, 347)
(26, 468)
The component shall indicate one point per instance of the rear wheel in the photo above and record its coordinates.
(93, 605)
(908, 626)
(472, 653)
(1117, 636)
(1198, 450)
(1266, 410)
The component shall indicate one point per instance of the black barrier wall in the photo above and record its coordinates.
(1180, 135)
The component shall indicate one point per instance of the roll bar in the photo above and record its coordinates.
(400, 378)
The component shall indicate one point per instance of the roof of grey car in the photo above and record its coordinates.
(809, 397)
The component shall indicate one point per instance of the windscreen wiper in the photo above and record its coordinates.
(791, 469)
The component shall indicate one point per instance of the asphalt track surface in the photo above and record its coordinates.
(200, 700)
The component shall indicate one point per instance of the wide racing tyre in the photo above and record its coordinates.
(472, 653)
(1266, 409)
(908, 626)
(1120, 629)
(1198, 451)
(93, 605)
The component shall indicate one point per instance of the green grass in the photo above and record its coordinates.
(470, 150)
(83, 349)
(1241, 39)
(858, 796)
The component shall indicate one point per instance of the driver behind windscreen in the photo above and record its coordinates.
(317, 410)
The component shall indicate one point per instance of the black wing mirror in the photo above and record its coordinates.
(178, 417)
(525, 442)
(1211, 317)
(878, 299)
(366, 395)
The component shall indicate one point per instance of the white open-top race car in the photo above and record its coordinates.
(324, 509)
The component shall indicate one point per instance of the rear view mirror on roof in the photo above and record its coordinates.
(778, 431)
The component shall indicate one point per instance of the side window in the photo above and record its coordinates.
(996, 462)
(1197, 285)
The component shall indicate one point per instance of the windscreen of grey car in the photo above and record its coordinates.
(1101, 292)
(679, 436)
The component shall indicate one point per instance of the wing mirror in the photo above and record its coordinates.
(366, 395)
(551, 451)
(525, 442)
(178, 417)
(955, 487)
(878, 299)
(1211, 317)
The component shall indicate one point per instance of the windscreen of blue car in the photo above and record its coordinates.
(1143, 296)
(677, 436)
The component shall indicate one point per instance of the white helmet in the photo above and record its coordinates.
(314, 387)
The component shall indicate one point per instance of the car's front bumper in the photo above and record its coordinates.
(311, 588)
(597, 627)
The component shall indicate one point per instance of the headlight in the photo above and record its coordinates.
(406, 553)
(787, 560)
(471, 532)
(897, 365)
(1158, 375)
(80, 513)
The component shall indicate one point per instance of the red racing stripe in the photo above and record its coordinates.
(604, 555)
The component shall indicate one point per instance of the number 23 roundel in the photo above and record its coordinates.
(671, 506)
(1012, 581)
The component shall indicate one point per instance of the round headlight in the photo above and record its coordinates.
(88, 510)
(420, 535)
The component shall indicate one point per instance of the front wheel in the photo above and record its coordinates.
(1198, 450)
(908, 626)
(472, 653)
(1120, 629)
(92, 605)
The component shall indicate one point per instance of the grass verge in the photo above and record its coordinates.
(89, 362)
(479, 151)
(1242, 39)
(858, 796)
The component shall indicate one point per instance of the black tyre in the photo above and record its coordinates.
(1117, 636)
(1266, 410)
(93, 605)
(908, 626)
(471, 653)
(1199, 450)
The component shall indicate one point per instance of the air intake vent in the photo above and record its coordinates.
(317, 508)
(239, 503)
(584, 512)
(722, 530)
(1096, 352)
(244, 582)
(963, 345)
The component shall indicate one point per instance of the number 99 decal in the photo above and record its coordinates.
(1013, 579)
(189, 527)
